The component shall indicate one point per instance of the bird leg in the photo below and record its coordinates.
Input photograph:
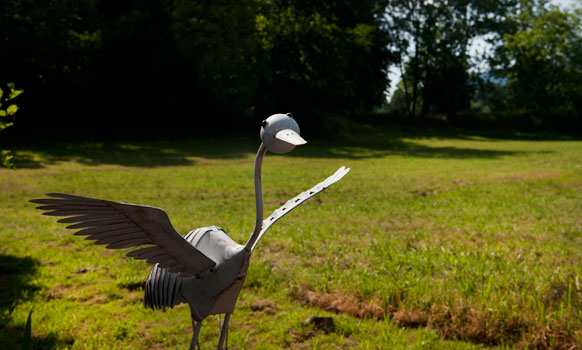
(224, 331)
(197, 326)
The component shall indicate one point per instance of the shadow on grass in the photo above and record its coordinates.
(15, 276)
(399, 147)
(133, 154)
(11, 338)
(183, 152)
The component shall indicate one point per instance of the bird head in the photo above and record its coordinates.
(280, 133)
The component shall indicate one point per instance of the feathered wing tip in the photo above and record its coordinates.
(122, 225)
(302, 197)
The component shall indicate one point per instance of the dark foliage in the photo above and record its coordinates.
(187, 66)
(180, 65)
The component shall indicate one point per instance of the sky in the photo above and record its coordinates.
(478, 47)
(563, 3)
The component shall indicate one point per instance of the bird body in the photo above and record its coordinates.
(213, 293)
(204, 268)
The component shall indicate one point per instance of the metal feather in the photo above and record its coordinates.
(127, 243)
(103, 229)
(87, 217)
(100, 223)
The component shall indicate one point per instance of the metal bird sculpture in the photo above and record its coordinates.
(205, 268)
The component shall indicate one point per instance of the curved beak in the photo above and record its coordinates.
(291, 137)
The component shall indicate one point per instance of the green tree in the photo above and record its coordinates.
(49, 46)
(321, 58)
(431, 40)
(217, 39)
(118, 65)
(7, 111)
(542, 60)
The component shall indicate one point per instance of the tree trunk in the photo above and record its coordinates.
(415, 72)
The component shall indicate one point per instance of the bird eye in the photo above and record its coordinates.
(264, 122)
(290, 115)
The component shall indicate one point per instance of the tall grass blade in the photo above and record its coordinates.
(27, 333)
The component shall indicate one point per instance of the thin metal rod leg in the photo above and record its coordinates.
(223, 331)
(197, 326)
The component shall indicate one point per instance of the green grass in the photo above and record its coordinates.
(440, 240)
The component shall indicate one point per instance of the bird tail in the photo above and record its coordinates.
(161, 289)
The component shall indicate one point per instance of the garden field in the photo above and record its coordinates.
(434, 240)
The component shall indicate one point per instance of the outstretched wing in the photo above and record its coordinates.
(294, 202)
(121, 225)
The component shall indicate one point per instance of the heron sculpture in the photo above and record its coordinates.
(205, 268)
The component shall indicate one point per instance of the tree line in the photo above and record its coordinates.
(533, 67)
(194, 65)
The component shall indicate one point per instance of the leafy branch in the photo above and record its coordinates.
(7, 118)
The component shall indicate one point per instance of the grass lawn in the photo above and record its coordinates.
(435, 239)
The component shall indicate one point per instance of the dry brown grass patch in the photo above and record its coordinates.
(478, 326)
(265, 305)
(457, 322)
(410, 318)
(463, 323)
(338, 302)
(557, 335)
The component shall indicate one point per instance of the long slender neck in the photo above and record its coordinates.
(258, 197)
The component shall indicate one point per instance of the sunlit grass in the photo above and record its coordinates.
(442, 239)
